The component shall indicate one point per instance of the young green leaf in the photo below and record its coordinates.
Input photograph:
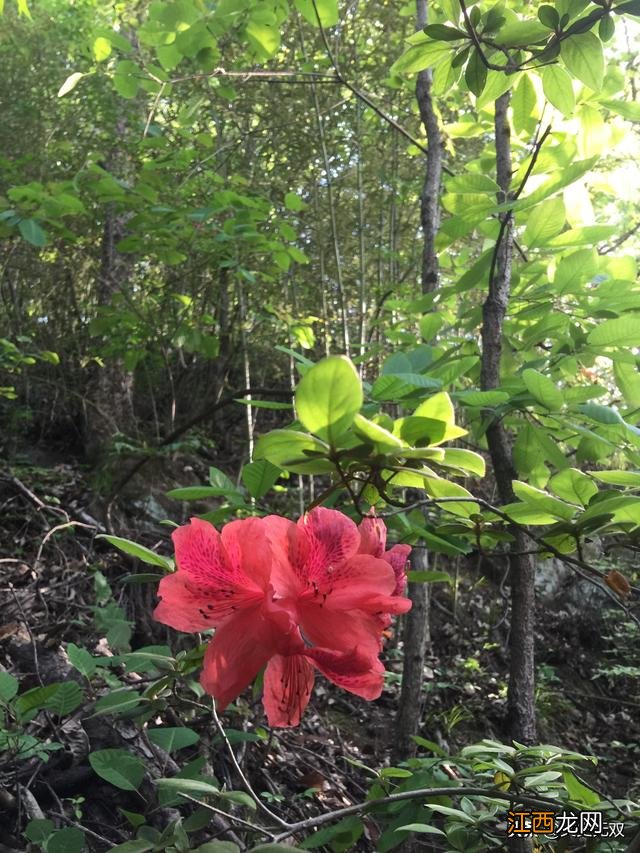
(542, 389)
(475, 74)
(138, 551)
(620, 332)
(328, 397)
(583, 56)
(259, 477)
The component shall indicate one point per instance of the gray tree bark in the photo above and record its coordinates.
(521, 719)
(416, 634)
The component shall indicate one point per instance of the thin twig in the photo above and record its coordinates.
(240, 821)
(239, 770)
(328, 817)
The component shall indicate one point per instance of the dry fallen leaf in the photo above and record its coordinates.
(618, 583)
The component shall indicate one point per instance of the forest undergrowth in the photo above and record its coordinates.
(68, 598)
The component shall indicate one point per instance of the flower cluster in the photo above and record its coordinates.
(294, 597)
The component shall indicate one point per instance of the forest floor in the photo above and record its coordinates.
(61, 586)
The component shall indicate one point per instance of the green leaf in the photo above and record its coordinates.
(328, 397)
(558, 89)
(195, 787)
(620, 332)
(548, 15)
(294, 451)
(430, 325)
(264, 404)
(67, 840)
(543, 501)
(259, 477)
(240, 798)
(66, 699)
(383, 440)
(574, 271)
(81, 659)
(628, 381)
(172, 739)
(429, 577)
(421, 56)
(583, 56)
(627, 109)
(398, 385)
(8, 686)
(101, 49)
(545, 221)
(632, 7)
(579, 792)
(573, 486)
(482, 398)
(523, 103)
(618, 478)
(117, 702)
(70, 83)
(423, 828)
(442, 32)
(327, 11)
(138, 551)
(134, 846)
(125, 79)
(475, 74)
(61, 698)
(292, 201)
(39, 829)
(32, 232)
(542, 389)
(438, 408)
(472, 183)
(466, 460)
(118, 767)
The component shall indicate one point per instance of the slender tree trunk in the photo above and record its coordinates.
(416, 636)
(521, 718)
(110, 408)
(416, 639)
(430, 198)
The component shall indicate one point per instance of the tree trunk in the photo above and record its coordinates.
(110, 402)
(416, 639)
(416, 635)
(430, 198)
(521, 719)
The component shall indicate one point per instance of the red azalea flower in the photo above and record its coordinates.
(342, 597)
(271, 588)
(373, 540)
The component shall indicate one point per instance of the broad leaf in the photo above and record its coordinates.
(328, 397)
(583, 56)
(118, 767)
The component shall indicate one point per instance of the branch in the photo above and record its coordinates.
(313, 822)
(364, 97)
(586, 571)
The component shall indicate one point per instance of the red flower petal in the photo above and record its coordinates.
(288, 682)
(327, 538)
(339, 629)
(397, 557)
(182, 608)
(237, 653)
(218, 574)
(349, 585)
(355, 671)
(373, 536)
(282, 536)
